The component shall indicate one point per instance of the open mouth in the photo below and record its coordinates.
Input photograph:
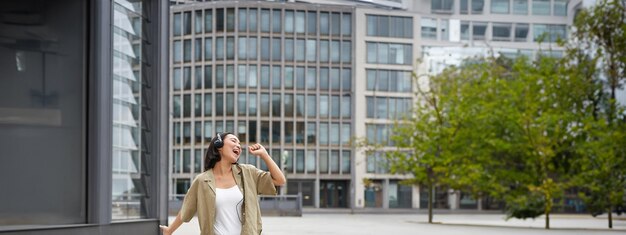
(237, 151)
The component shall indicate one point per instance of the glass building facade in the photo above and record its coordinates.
(83, 117)
(307, 79)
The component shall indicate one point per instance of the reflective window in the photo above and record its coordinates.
(219, 104)
(177, 51)
(208, 77)
(335, 108)
(324, 106)
(252, 76)
(198, 22)
(289, 21)
(187, 50)
(265, 49)
(265, 105)
(311, 133)
(265, 20)
(230, 105)
(208, 103)
(243, 19)
(311, 106)
(252, 17)
(324, 47)
(311, 78)
(288, 132)
(311, 27)
(219, 76)
(520, 7)
(242, 45)
(389, 26)
(230, 19)
(276, 21)
(252, 107)
(252, 129)
(441, 6)
(177, 25)
(560, 7)
(387, 53)
(230, 76)
(443, 28)
(219, 48)
(334, 161)
(276, 49)
(187, 78)
(208, 131)
(197, 132)
(177, 83)
(300, 21)
(276, 104)
(324, 79)
(311, 50)
(334, 51)
(230, 48)
(300, 50)
(299, 132)
(541, 7)
(241, 131)
(345, 162)
(464, 6)
(346, 52)
(288, 103)
(478, 30)
(500, 6)
(477, 6)
(346, 24)
(335, 23)
(186, 161)
(429, 28)
(346, 108)
(208, 21)
(324, 23)
(288, 49)
(549, 33)
(219, 20)
(198, 50)
(197, 105)
(208, 49)
(335, 79)
(311, 165)
(323, 133)
(252, 51)
(323, 161)
(465, 30)
(299, 161)
(346, 79)
(241, 105)
(299, 105)
(187, 23)
(276, 132)
(276, 82)
(265, 76)
(289, 83)
(501, 32)
(176, 105)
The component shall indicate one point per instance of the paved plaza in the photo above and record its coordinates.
(447, 224)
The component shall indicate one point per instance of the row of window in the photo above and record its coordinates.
(242, 104)
(389, 53)
(380, 133)
(263, 48)
(389, 26)
(509, 32)
(264, 76)
(517, 7)
(388, 107)
(389, 80)
(266, 20)
(299, 133)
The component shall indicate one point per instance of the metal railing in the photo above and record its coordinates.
(281, 205)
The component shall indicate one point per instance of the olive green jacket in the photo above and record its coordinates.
(200, 198)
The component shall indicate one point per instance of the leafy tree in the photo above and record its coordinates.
(598, 52)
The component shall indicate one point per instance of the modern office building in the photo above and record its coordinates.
(307, 78)
(83, 116)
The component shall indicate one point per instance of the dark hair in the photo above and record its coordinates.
(212, 155)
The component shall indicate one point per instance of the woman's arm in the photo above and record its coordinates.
(278, 178)
(168, 230)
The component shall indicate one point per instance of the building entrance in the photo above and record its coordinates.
(306, 187)
(333, 194)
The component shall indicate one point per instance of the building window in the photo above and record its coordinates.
(441, 6)
(465, 30)
(478, 30)
(549, 33)
(520, 7)
(477, 6)
(560, 7)
(389, 26)
(501, 32)
(429, 28)
(521, 32)
(541, 7)
(500, 6)
(389, 53)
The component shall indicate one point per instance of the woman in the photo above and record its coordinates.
(225, 194)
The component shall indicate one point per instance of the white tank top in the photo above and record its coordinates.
(228, 204)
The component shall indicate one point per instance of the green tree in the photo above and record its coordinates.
(599, 54)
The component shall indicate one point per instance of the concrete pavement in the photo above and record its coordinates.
(447, 224)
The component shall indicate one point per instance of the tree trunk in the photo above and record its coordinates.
(610, 217)
(430, 203)
(547, 220)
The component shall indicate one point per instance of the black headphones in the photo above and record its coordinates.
(218, 143)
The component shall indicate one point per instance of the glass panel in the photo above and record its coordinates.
(345, 106)
(300, 79)
(429, 28)
(265, 49)
(323, 161)
(299, 161)
(265, 105)
(541, 7)
(346, 24)
(300, 50)
(43, 109)
(186, 23)
(252, 20)
(265, 76)
(371, 25)
(252, 51)
(230, 105)
(177, 24)
(276, 49)
(276, 104)
(334, 161)
(311, 104)
(276, 82)
(288, 133)
(289, 21)
(265, 20)
(242, 45)
(219, 20)
(324, 20)
(243, 19)
(241, 105)
(252, 129)
(520, 7)
(478, 31)
(560, 7)
(346, 52)
(311, 133)
(299, 105)
(500, 6)
(311, 162)
(311, 23)
(288, 49)
(501, 32)
(208, 21)
(276, 132)
(197, 104)
(289, 83)
(323, 132)
(300, 22)
(311, 78)
(187, 50)
(311, 50)
(335, 22)
(477, 6)
(252, 107)
(276, 21)
(345, 162)
(198, 22)
(324, 47)
(208, 103)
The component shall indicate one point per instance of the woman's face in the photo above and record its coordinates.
(231, 150)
